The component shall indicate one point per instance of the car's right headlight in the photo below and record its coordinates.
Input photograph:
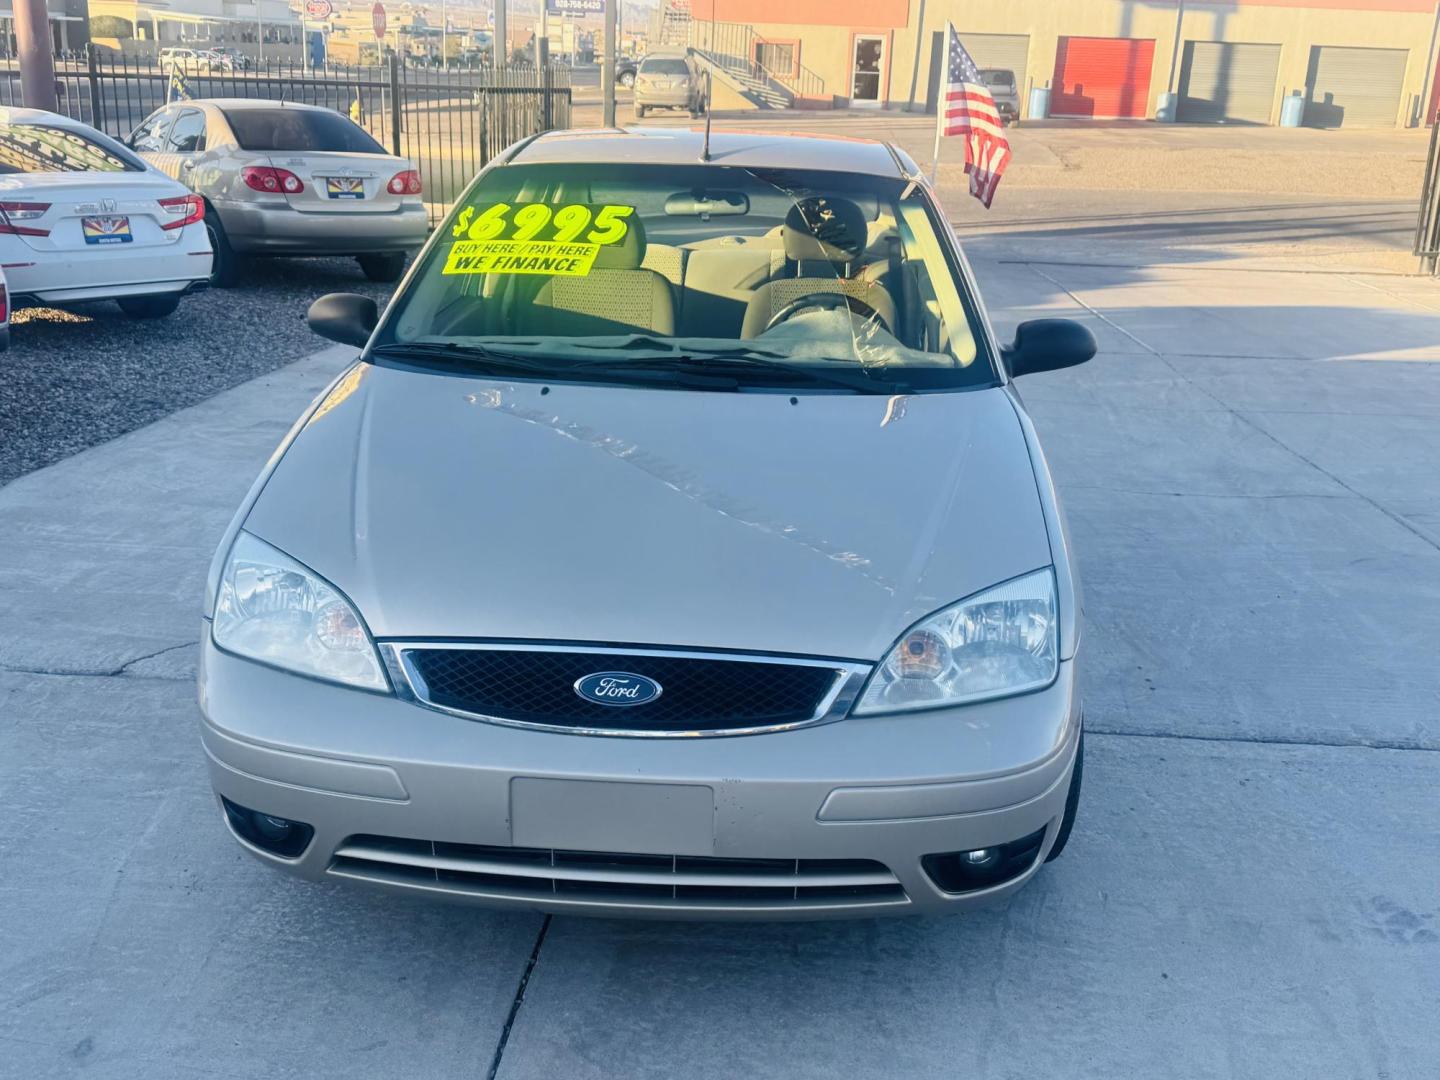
(997, 643)
(272, 609)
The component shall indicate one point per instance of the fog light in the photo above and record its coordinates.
(277, 829)
(277, 835)
(983, 868)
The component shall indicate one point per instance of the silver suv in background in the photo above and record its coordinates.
(1001, 84)
(285, 179)
(669, 81)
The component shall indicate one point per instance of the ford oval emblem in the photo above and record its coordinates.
(617, 688)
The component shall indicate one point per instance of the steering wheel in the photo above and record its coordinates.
(826, 301)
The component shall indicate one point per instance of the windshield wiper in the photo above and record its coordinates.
(476, 355)
(742, 363)
(498, 362)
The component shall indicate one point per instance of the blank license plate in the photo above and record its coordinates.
(344, 187)
(106, 230)
(592, 815)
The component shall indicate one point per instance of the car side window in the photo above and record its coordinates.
(149, 137)
(187, 133)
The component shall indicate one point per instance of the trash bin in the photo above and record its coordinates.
(1039, 102)
(1292, 110)
(1166, 108)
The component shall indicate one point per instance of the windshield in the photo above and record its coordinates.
(664, 66)
(998, 78)
(26, 148)
(759, 278)
(282, 129)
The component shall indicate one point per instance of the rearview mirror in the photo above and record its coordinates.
(348, 318)
(1048, 345)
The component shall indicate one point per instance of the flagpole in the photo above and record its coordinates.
(940, 110)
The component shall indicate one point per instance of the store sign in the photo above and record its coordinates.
(377, 19)
(319, 9)
(575, 7)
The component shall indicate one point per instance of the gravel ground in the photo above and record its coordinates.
(78, 377)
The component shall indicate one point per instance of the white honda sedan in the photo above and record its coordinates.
(83, 218)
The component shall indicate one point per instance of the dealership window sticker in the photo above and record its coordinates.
(534, 238)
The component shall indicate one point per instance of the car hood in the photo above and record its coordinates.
(448, 506)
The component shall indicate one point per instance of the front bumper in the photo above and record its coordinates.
(279, 230)
(418, 801)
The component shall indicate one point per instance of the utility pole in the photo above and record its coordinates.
(1429, 83)
(607, 70)
(501, 32)
(1175, 50)
(37, 62)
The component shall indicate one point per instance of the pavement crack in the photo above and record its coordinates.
(1277, 740)
(106, 673)
(1205, 494)
(125, 667)
(518, 1000)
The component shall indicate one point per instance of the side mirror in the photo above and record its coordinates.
(348, 318)
(1048, 345)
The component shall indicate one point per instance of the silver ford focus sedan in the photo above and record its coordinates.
(678, 546)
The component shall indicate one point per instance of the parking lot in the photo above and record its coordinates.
(1248, 469)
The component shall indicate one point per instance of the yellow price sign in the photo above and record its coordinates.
(520, 257)
(589, 223)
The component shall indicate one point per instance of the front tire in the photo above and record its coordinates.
(639, 112)
(1072, 802)
(149, 307)
(225, 264)
(385, 266)
(627, 80)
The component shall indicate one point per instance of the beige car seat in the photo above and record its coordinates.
(618, 296)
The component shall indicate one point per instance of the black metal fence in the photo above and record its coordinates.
(450, 123)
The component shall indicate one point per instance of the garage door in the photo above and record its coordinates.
(1008, 51)
(1225, 82)
(1102, 77)
(1354, 87)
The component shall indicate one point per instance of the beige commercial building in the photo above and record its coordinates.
(1353, 63)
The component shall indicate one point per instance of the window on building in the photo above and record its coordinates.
(775, 56)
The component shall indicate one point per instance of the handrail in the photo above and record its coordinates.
(735, 48)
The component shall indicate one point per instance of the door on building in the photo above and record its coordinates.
(1349, 87)
(1008, 51)
(1102, 77)
(867, 66)
(1227, 82)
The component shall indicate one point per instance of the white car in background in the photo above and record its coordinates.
(82, 218)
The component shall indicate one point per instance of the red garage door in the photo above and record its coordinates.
(1102, 77)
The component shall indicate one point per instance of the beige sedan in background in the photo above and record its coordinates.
(285, 179)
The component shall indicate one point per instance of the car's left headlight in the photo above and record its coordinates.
(994, 644)
(272, 609)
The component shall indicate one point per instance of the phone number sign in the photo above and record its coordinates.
(575, 7)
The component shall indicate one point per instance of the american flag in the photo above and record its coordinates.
(969, 111)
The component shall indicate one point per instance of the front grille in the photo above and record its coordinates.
(671, 881)
(700, 693)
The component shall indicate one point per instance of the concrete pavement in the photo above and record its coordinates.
(1250, 891)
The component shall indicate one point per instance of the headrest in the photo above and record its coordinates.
(823, 227)
(629, 253)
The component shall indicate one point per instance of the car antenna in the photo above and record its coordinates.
(705, 150)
